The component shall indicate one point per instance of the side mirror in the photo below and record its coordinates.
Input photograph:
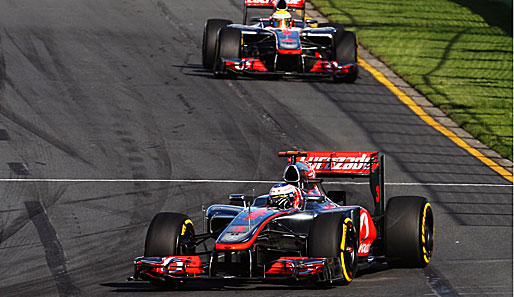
(255, 19)
(237, 199)
(311, 21)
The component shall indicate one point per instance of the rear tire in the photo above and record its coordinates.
(169, 234)
(345, 51)
(228, 46)
(210, 34)
(409, 231)
(328, 233)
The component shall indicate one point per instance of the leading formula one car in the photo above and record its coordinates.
(314, 240)
(279, 45)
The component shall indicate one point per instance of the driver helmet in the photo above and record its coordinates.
(281, 19)
(285, 196)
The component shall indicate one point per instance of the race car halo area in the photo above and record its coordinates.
(108, 117)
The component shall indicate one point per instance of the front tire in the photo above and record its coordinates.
(333, 235)
(409, 231)
(169, 234)
(210, 34)
(228, 46)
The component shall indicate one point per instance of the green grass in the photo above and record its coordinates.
(459, 57)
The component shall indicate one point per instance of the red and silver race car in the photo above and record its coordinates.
(279, 45)
(317, 238)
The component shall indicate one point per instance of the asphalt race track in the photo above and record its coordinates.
(98, 90)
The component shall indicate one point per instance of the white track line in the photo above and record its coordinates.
(136, 180)
(228, 181)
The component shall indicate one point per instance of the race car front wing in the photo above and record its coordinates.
(190, 267)
(256, 66)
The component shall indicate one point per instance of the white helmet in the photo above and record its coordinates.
(285, 196)
(281, 19)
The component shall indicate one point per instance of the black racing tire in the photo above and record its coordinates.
(228, 46)
(409, 232)
(170, 234)
(327, 234)
(346, 51)
(210, 34)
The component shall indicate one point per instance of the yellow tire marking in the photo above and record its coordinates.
(343, 248)
(184, 227)
(430, 121)
(423, 232)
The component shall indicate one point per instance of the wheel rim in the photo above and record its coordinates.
(352, 250)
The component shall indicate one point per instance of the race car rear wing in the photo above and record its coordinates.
(296, 4)
(274, 4)
(340, 164)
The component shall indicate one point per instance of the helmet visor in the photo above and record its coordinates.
(280, 23)
(279, 196)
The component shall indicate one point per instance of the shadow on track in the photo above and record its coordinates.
(210, 285)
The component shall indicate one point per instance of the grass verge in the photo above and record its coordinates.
(459, 57)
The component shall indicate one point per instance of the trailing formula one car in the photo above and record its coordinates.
(295, 232)
(279, 45)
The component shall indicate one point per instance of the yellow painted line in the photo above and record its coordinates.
(430, 121)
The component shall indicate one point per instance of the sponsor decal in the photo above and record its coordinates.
(247, 244)
(296, 3)
(338, 163)
(245, 64)
(255, 214)
(344, 162)
(364, 248)
(367, 232)
(239, 228)
(288, 40)
(291, 3)
(267, 2)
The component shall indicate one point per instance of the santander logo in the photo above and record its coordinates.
(258, 1)
(337, 163)
(255, 214)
